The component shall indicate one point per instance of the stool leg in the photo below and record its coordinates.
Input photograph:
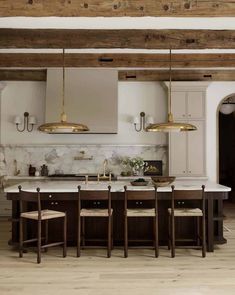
(46, 234)
(125, 237)
(155, 220)
(109, 237)
(83, 231)
(172, 236)
(21, 238)
(198, 231)
(169, 232)
(203, 236)
(65, 237)
(112, 232)
(79, 237)
(39, 242)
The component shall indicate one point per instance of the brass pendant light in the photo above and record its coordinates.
(63, 126)
(170, 125)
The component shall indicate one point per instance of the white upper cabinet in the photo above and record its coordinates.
(188, 104)
(179, 104)
(196, 104)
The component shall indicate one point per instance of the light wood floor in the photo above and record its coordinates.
(93, 273)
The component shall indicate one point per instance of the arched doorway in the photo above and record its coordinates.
(226, 124)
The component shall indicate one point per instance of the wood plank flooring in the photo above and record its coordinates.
(139, 274)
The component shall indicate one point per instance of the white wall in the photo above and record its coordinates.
(216, 92)
(133, 97)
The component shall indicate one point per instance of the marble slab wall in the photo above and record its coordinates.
(67, 158)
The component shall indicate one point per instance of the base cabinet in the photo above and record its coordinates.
(140, 230)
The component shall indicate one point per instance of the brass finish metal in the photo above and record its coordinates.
(63, 126)
(170, 126)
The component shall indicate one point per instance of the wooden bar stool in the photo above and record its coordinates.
(138, 195)
(94, 195)
(39, 216)
(180, 212)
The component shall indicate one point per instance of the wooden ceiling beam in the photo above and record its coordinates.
(110, 8)
(177, 75)
(135, 39)
(114, 60)
(23, 75)
(138, 75)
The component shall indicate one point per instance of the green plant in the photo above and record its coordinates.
(136, 163)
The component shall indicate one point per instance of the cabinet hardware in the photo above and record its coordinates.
(52, 203)
(50, 196)
(56, 203)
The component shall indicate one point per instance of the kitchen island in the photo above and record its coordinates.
(61, 196)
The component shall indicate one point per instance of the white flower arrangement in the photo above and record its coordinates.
(136, 164)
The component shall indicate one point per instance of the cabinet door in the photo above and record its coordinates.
(196, 150)
(179, 104)
(195, 104)
(177, 154)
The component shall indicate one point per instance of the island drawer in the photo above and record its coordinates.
(58, 196)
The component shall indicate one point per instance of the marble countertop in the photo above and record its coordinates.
(116, 186)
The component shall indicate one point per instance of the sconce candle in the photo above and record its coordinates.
(29, 122)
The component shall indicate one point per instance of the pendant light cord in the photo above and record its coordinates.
(63, 83)
(169, 95)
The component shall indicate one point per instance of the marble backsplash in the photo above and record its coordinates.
(67, 158)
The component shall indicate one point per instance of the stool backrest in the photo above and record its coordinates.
(32, 197)
(138, 195)
(198, 194)
(94, 195)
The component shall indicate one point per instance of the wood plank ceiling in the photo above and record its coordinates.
(188, 66)
(110, 8)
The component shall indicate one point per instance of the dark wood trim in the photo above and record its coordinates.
(177, 75)
(116, 8)
(126, 38)
(23, 75)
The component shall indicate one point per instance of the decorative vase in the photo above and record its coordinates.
(135, 171)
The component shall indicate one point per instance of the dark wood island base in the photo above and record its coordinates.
(140, 233)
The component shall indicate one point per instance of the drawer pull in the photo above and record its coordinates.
(56, 203)
(50, 196)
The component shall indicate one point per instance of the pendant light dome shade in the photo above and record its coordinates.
(63, 127)
(170, 125)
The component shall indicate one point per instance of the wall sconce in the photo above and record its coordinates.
(28, 120)
(142, 121)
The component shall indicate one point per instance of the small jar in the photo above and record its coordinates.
(37, 173)
(32, 170)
